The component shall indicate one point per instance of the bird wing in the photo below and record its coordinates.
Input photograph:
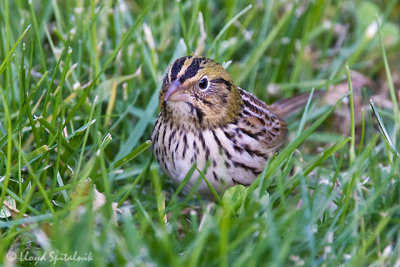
(258, 122)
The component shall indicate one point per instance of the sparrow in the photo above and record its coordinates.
(207, 120)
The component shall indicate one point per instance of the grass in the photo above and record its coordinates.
(79, 85)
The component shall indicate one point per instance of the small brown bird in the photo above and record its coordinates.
(206, 118)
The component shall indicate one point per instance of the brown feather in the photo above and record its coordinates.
(289, 106)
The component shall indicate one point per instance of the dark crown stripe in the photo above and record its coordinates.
(176, 67)
(192, 69)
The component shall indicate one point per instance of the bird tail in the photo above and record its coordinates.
(289, 106)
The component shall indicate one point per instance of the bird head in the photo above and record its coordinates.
(197, 91)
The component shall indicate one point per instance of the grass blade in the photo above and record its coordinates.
(132, 154)
(383, 129)
(352, 124)
(10, 53)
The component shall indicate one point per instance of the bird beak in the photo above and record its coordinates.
(176, 92)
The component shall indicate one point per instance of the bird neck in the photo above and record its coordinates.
(234, 105)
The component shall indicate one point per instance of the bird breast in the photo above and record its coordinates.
(233, 156)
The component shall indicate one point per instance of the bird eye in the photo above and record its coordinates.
(204, 83)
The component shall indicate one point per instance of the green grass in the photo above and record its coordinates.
(79, 83)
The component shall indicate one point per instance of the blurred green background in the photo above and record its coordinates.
(79, 84)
